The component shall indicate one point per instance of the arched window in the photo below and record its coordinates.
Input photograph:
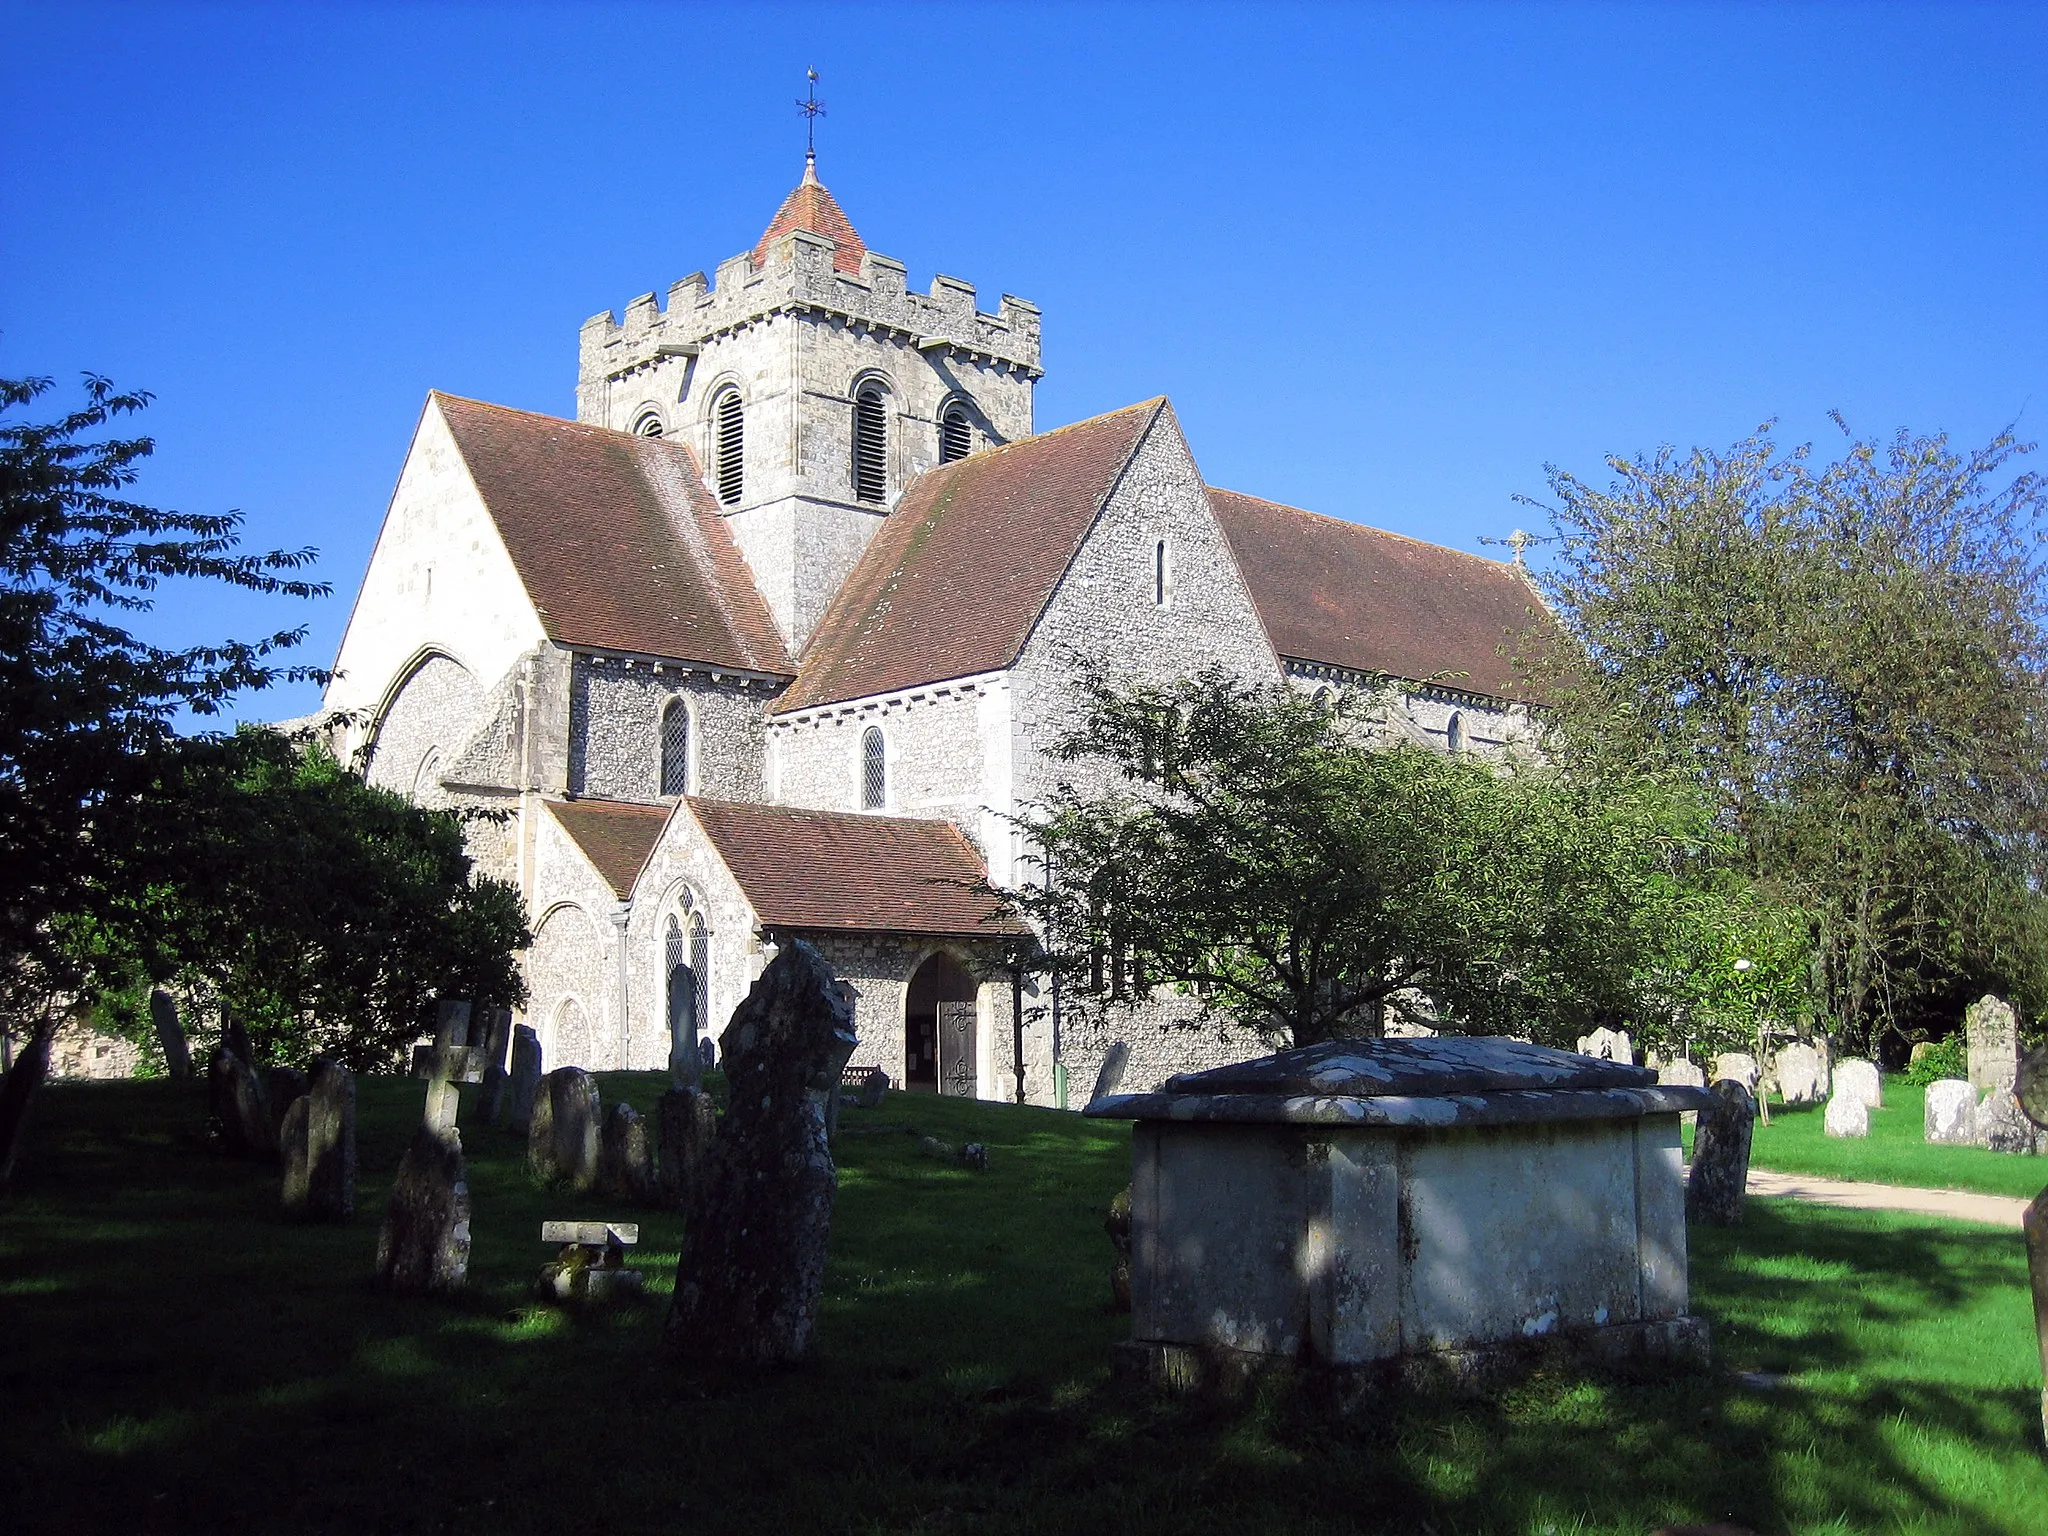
(874, 769)
(675, 748)
(1454, 733)
(729, 445)
(700, 967)
(956, 433)
(1162, 574)
(647, 426)
(871, 443)
(686, 960)
(426, 782)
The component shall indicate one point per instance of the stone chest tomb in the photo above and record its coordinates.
(1391, 1204)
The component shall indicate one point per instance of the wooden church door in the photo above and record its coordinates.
(957, 1074)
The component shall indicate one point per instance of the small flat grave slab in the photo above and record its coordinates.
(591, 1267)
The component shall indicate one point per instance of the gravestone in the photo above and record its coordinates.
(1802, 1073)
(685, 1063)
(2030, 1093)
(1857, 1079)
(497, 1041)
(1118, 1225)
(1111, 1073)
(319, 1146)
(687, 1120)
(447, 1059)
(591, 1267)
(423, 1246)
(1719, 1180)
(1682, 1074)
(1609, 1045)
(2002, 1126)
(1846, 1115)
(1991, 1031)
(170, 1035)
(563, 1141)
(285, 1086)
(753, 1259)
(1737, 1067)
(1950, 1113)
(522, 1090)
(624, 1167)
(241, 1105)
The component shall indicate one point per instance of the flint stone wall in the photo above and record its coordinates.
(615, 710)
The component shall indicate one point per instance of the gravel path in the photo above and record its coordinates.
(1958, 1205)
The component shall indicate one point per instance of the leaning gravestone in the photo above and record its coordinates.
(163, 1014)
(1802, 1074)
(1737, 1067)
(562, 1142)
(753, 1259)
(319, 1145)
(1111, 1073)
(624, 1167)
(1609, 1045)
(687, 1122)
(423, 1246)
(1991, 1031)
(1950, 1115)
(522, 1088)
(1860, 1080)
(1719, 1180)
(1846, 1115)
(497, 1032)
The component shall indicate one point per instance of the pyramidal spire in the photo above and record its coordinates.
(811, 208)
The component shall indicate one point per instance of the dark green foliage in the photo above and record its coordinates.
(1260, 848)
(181, 1357)
(1847, 661)
(326, 913)
(1942, 1058)
(86, 707)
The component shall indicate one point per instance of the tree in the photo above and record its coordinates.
(86, 708)
(1260, 849)
(325, 913)
(1847, 662)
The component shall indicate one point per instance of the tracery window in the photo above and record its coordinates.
(956, 433)
(729, 445)
(874, 770)
(675, 748)
(871, 443)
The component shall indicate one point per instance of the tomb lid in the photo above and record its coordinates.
(1441, 1081)
(1427, 1068)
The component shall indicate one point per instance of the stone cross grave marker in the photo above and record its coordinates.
(592, 1264)
(451, 1034)
(423, 1246)
(753, 1262)
(2030, 1091)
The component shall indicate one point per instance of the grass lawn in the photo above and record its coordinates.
(1893, 1153)
(179, 1358)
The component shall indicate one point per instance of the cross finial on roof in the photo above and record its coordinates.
(1518, 541)
(812, 109)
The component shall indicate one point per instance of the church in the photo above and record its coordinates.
(772, 641)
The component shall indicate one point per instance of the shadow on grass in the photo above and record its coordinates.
(184, 1359)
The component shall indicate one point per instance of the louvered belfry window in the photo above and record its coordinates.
(874, 770)
(675, 749)
(956, 434)
(871, 444)
(648, 425)
(729, 429)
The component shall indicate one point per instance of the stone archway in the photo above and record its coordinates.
(940, 1046)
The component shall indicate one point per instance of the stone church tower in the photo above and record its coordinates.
(813, 385)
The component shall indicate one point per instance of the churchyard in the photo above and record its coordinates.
(1895, 1151)
(184, 1357)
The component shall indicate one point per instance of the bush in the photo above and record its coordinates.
(1942, 1058)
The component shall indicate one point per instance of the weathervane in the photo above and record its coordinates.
(812, 109)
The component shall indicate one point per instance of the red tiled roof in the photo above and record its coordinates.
(616, 837)
(957, 574)
(1352, 596)
(812, 209)
(833, 869)
(616, 538)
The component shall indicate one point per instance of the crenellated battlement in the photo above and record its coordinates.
(798, 276)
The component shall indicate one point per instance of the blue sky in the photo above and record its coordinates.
(1387, 261)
